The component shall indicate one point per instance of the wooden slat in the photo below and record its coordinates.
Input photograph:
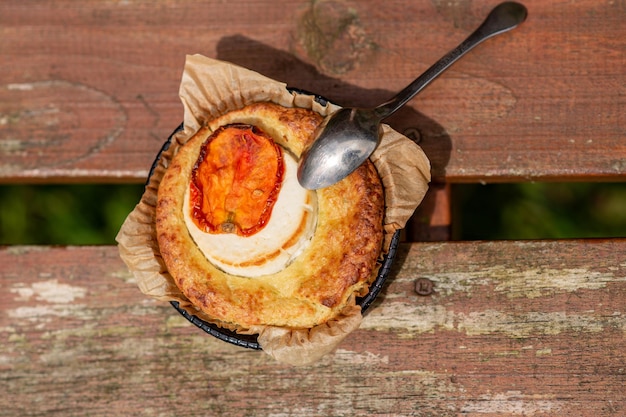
(431, 221)
(512, 328)
(88, 90)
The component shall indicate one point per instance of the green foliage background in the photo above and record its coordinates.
(64, 214)
(539, 210)
(92, 214)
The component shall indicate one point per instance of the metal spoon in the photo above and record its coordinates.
(349, 136)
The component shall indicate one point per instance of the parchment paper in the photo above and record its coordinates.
(210, 88)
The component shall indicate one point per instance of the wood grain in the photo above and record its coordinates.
(511, 329)
(88, 90)
(88, 93)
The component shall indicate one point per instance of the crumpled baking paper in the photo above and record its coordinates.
(210, 88)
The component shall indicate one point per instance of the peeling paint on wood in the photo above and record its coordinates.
(84, 337)
(410, 321)
(48, 291)
(514, 403)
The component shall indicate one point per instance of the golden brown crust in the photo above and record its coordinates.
(338, 263)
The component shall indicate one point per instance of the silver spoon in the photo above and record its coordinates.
(350, 135)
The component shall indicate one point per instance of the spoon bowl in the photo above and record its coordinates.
(349, 136)
(343, 141)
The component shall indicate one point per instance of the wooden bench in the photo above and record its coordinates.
(88, 93)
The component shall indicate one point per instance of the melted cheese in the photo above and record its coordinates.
(273, 248)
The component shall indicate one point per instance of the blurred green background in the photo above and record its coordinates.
(539, 211)
(64, 214)
(92, 214)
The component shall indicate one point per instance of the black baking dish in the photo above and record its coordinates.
(250, 341)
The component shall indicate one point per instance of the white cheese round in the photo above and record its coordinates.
(286, 234)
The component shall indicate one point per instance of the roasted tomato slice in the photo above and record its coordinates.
(236, 180)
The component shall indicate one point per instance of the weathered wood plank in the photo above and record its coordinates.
(512, 328)
(88, 90)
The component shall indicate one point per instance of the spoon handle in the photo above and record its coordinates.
(502, 18)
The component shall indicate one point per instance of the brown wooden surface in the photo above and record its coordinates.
(512, 328)
(88, 93)
(88, 89)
